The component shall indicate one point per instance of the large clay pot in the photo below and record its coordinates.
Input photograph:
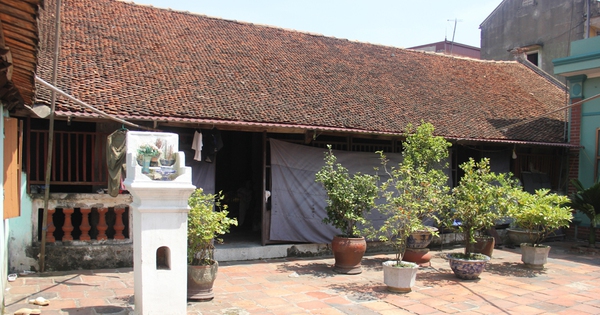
(420, 256)
(483, 245)
(468, 269)
(348, 253)
(518, 236)
(420, 239)
(200, 282)
(399, 279)
(534, 257)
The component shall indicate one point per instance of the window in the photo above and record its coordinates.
(533, 57)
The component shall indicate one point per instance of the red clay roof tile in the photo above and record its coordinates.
(137, 61)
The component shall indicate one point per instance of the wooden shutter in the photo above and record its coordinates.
(12, 169)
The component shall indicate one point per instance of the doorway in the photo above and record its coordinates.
(239, 177)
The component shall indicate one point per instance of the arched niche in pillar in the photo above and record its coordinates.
(163, 258)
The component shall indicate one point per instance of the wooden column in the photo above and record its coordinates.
(119, 227)
(85, 225)
(68, 225)
(102, 224)
(50, 227)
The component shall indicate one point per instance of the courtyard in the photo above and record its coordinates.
(569, 284)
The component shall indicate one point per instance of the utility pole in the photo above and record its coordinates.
(453, 33)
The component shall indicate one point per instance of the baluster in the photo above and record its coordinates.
(102, 224)
(50, 227)
(119, 227)
(85, 225)
(68, 225)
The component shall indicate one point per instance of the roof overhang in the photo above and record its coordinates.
(295, 128)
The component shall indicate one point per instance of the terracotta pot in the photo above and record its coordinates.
(534, 257)
(399, 279)
(348, 253)
(468, 269)
(483, 245)
(200, 282)
(420, 239)
(420, 256)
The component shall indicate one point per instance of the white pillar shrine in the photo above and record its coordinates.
(160, 210)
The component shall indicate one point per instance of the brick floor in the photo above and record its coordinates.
(569, 284)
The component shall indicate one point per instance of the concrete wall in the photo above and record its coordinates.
(21, 257)
(521, 23)
(590, 121)
(582, 68)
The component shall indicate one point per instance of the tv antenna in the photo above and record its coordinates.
(453, 33)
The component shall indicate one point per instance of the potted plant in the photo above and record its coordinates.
(349, 199)
(207, 219)
(415, 190)
(479, 200)
(587, 201)
(145, 153)
(540, 214)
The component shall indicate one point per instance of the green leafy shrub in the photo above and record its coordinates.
(207, 219)
(541, 213)
(349, 197)
(480, 199)
(416, 189)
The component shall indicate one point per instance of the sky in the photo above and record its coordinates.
(399, 23)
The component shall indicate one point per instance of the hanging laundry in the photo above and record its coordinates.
(197, 145)
(116, 149)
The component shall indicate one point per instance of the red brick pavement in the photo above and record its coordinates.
(569, 284)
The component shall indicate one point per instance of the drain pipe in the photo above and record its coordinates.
(42, 260)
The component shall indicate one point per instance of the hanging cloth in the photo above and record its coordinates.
(197, 146)
(116, 149)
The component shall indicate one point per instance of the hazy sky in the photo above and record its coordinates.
(399, 23)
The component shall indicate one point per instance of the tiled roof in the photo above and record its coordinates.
(137, 61)
(18, 47)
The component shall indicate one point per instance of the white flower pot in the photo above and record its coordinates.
(534, 257)
(399, 279)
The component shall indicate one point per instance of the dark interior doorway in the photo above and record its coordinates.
(239, 177)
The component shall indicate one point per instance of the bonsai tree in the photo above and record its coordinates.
(540, 214)
(207, 220)
(349, 197)
(587, 201)
(416, 188)
(480, 199)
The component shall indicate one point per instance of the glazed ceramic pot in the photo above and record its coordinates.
(534, 257)
(467, 269)
(399, 279)
(420, 239)
(518, 236)
(348, 253)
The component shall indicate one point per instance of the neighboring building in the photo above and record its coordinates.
(539, 31)
(582, 70)
(255, 90)
(450, 48)
(18, 48)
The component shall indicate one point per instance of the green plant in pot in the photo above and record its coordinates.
(480, 199)
(415, 190)
(349, 199)
(539, 214)
(587, 201)
(207, 219)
